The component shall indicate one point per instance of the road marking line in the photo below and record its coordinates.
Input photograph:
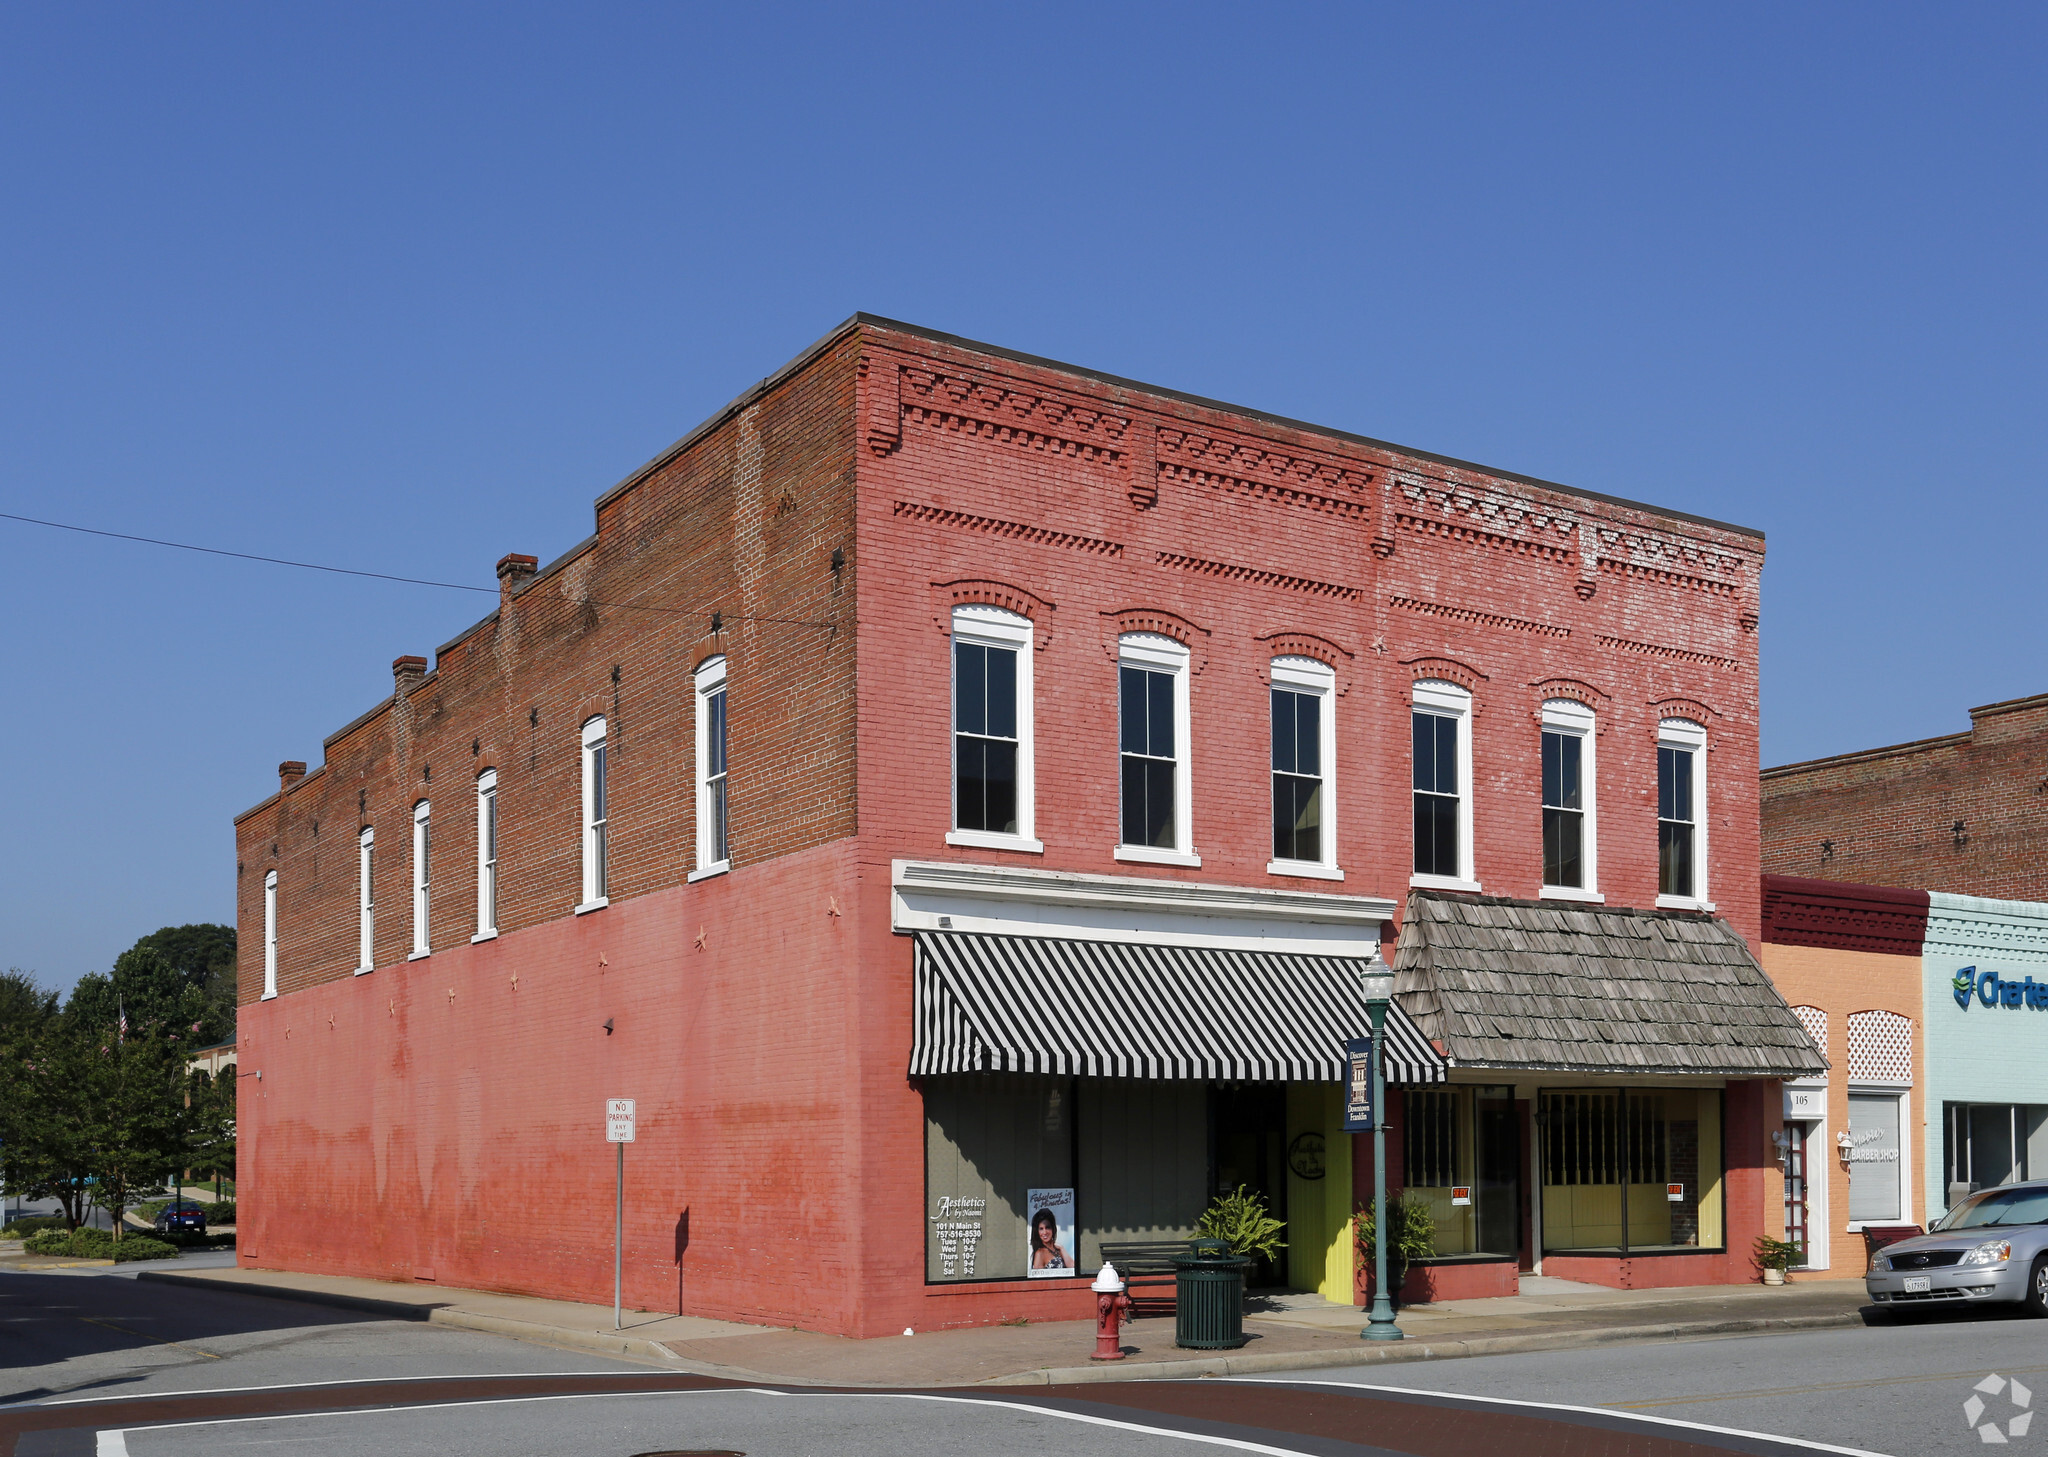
(1599, 1411)
(111, 1444)
(1045, 1411)
(308, 1385)
(143, 1335)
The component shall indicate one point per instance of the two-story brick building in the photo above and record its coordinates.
(951, 785)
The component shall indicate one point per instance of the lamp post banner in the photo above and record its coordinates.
(1358, 1063)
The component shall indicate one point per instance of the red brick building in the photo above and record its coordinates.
(1964, 813)
(948, 778)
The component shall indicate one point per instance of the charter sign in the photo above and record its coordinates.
(1992, 990)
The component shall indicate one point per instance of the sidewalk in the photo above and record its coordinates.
(1289, 1332)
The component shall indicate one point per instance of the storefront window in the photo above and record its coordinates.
(1876, 1189)
(1631, 1170)
(990, 1139)
(1987, 1144)
(1460, 1156)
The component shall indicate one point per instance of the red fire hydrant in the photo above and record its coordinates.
(1110, 1305)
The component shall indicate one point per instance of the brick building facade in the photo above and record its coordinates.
(428, 1108)
(1963, 813)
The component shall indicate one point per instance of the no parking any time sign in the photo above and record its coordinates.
(618, 1120)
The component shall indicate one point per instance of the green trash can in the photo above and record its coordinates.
(1208, 1290)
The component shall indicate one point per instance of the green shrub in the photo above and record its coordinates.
(1411, 1231)
(1240, 1220)
(221, 1213)
(143, 1247)
(185, 1239)
(48, 1242)
(23, 1228)
(88, 1243)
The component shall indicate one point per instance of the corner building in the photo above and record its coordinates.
(951, 784)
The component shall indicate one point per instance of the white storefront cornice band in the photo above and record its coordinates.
(954, 895)
(1968, 925)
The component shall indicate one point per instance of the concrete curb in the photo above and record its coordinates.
(1255, 1364)
(1262, 1362)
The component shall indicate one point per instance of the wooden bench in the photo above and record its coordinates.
(1875, 1238)
(1148, 1264)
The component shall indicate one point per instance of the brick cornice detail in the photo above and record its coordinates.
(1263, 468)
(1029, 418)
(1157, 620)
(983, 591)
(882, 407)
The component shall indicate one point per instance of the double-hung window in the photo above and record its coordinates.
(1304, 806)
(714, 848)
(596, 813)
(1152, 742)
(1570, 842)
(486, 855)
(992, 763)
(422, 878)
(366, 900)
(269, 935)
(1681, 815)
(1441, 732)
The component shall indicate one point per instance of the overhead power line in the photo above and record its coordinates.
(278, 561)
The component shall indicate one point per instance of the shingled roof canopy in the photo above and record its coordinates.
(1542, 986)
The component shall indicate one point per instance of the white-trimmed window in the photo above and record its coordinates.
(1441, 730)
(1682, 815)
(1302, 703)
(422, 878)
(270, 935)
(1571, 843)
(992, 736)
(486, 855)
(714, 850)
(366, 900)
(1155, 799)
(596, 814)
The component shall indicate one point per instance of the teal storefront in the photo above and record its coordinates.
(1985, 966)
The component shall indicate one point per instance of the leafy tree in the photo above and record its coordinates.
(165, 962)
(139, 1123)
(44, 1120)
(24, 1006)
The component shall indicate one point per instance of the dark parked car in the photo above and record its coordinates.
(182, 1215)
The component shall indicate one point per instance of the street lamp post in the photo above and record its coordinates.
(1379, 1325)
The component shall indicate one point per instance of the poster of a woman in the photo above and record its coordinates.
(1052, 1232)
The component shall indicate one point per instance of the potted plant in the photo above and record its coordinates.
(1240, 1220)
(1774, 1257)
(1411, 1236)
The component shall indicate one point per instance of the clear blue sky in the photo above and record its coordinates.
(404, 287)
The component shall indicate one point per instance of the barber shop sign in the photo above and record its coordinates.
(1992, 990)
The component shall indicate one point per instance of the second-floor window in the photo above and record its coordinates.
(270, 934)
(1152, 749)
(1569, 834)
(487, 853)
(422, 876)
(596, 813)
(1300, 705)
(1681, 826)
(992, 769)
(714, 806)
(1440, 735)
(366, 900)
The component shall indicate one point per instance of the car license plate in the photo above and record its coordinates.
(1919, 1284)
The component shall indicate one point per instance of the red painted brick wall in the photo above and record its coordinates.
(417, 1129)
(1890, 816)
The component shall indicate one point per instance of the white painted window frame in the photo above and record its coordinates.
(1307, 675)
(269, 935)
(366, 901)
(1905, 1097)
(1569, 716)
(1683, 733)
(994, 627)
(422, 879)
(596, 840)
(1160, 653)
(1448, 700)
(710, 678)
(486, 856)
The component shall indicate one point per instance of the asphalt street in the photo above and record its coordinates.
(1898, 1388)
(93, 1362)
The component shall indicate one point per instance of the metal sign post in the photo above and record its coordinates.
(618, 1129)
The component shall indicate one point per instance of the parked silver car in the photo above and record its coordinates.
(1992, 1246)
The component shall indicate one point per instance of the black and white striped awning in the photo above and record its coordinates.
(1116, 1010)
